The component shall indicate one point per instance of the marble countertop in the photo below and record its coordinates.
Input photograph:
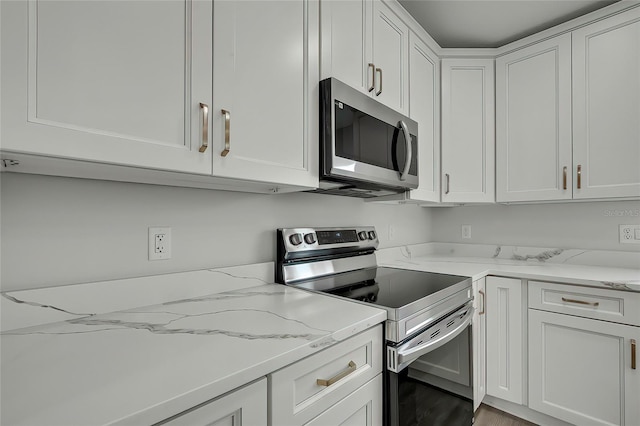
(605, 269)
(140, 365)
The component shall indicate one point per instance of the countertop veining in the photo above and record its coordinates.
(145, 364)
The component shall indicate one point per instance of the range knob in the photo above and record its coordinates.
(362, 235)
(295, 239)
(309, 238)
(372, 235)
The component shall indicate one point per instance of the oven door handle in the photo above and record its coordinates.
(408, 355)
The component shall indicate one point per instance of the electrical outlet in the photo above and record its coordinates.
(629, 234)
(466, 232)
(159, 243)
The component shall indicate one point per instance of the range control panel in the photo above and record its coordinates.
(336, 237)
(309, 239)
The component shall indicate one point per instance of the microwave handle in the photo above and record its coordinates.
(407, 139)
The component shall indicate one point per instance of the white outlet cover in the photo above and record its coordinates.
(153, 254)
(466, 232)
(628, 234)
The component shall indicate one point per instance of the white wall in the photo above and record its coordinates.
(58, 231)
(587, 225)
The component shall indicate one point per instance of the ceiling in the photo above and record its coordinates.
(482, 23)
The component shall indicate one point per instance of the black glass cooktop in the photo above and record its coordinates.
(395, 288)
(401, 292)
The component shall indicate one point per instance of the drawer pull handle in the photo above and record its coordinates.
(581, 302)
(564, 177)
(484, 300)
(352, 367)
(633, 354)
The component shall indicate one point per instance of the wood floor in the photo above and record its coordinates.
(489, 416)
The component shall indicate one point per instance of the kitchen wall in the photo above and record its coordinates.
(587, 225)
(58, 231)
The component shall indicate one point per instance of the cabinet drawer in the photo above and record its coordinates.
(296, 396)
(603, 304)
(362, 408)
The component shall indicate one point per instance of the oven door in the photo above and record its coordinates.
(428, 381)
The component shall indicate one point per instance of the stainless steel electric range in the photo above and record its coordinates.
(428, 376)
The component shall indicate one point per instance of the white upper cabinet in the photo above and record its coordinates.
(263, 85)
(606, 107)
(424, 108)
(108, 81)
(568, 110)
(533, 122)
(166, 85)
(365, 45)
(346, 47)
(390, 49)
(468, 130)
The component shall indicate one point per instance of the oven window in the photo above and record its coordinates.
(422, 404)
(365, 139)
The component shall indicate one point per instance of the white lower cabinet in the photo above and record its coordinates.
(316, 388)
(246, 406)
(479, 336)
(362, 408)
(581, 370)
(505, 331)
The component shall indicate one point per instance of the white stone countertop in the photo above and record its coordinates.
(605, 269)
(139, 365)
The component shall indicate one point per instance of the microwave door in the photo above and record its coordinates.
(370, 149)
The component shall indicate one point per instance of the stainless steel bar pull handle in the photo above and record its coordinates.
(373, 77)
(633, 354)
(581, 302)
(379, 71)
(447, 178)
(579, 176)
(484, 301)
(227, 132)
(352, 368)
(407, 141)
(564, 177)
(205, 127)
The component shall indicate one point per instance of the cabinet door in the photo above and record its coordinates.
(479, 331)
(345, 36)
(265, 91)
(580, 369)
(360, 408)
(244, 407)
(390, 50)
(533, 122)
(504, 307)
(606, 107)
(424, 107)
(468, 130)
(108, 81)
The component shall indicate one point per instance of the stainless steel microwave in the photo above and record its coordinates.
(366, 149)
